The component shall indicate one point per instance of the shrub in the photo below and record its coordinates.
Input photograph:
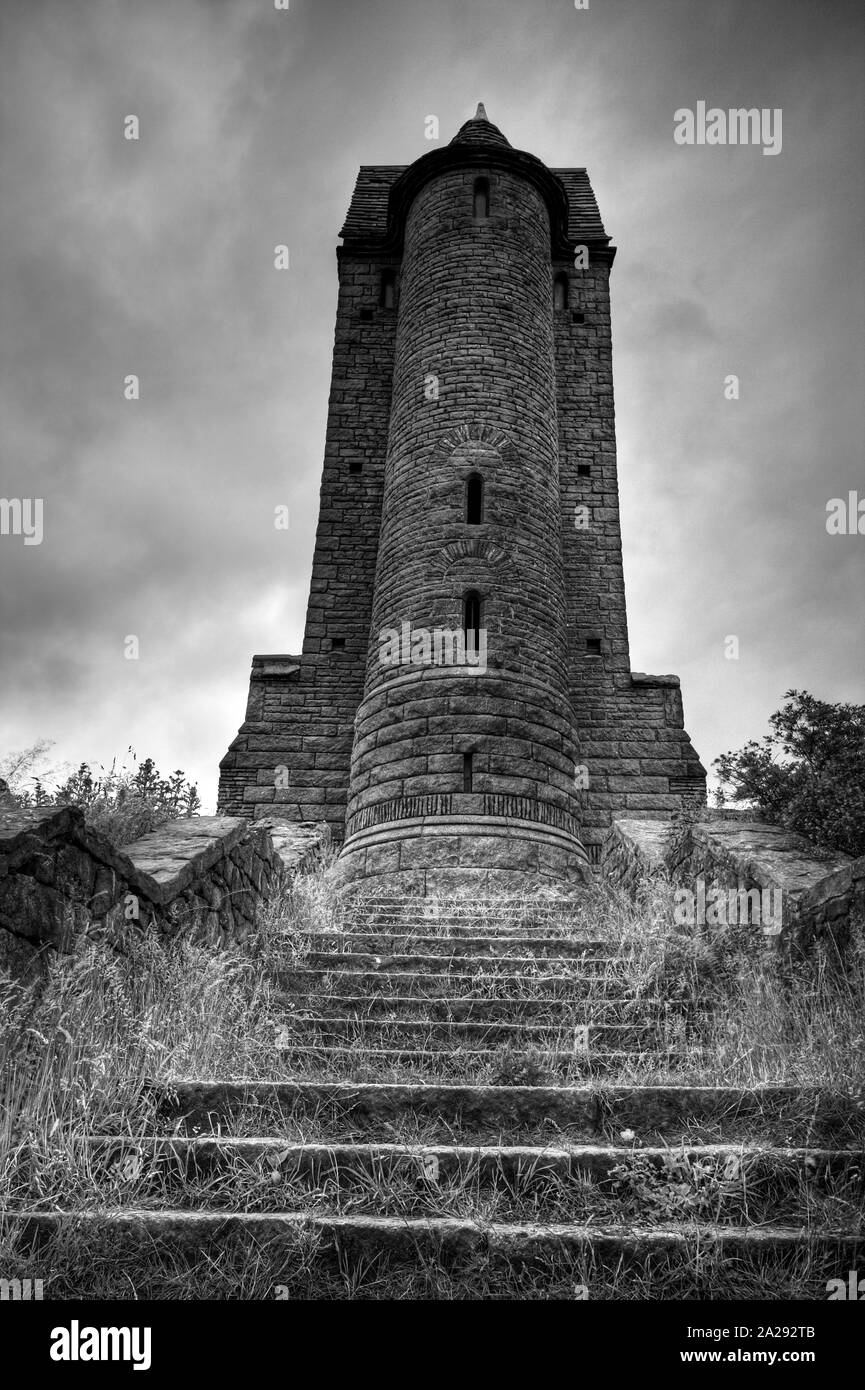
(123, 803)
(807, 774)
(520, 1068)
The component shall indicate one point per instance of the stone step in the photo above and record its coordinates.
(303, 984)
(450, 1239)
(584, 1035)
(490, 922)
(471, 926)
(472, 1061)
(459, 1006)
(385, 943)
(802, 1114)
(518, 966)
(590, 1183)
(484, 1164)
(476, 905)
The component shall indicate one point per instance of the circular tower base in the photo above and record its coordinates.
(461, 853)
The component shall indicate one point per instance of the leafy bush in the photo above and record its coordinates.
(680, 1187)
(520, 1068)
(808, 774)
(123, 803)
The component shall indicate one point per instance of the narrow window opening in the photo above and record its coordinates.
(578, 318)
(337, 644)
(467, 771)
(560, 292)
(366, 315)
(472, 620)
(474, 499)
(387, 298)
(482, 198)
(593, 646)
(584, 470)
(355, 466)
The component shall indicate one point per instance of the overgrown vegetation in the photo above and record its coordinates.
(81, 1049)
(295, 1267)
(807, 774)
(122, 802)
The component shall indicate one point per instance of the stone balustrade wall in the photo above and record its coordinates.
(821, 893)
(204, 876)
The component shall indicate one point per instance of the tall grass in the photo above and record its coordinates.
(122, 802)
(80, 1047)
(77, 1046)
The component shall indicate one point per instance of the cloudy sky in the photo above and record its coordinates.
(155, 258)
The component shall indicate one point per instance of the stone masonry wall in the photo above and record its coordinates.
(633, 854)
(204, 876)
(822, 893)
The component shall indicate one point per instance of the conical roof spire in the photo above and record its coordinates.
(480, 131)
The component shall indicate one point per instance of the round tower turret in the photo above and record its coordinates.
(463, 767)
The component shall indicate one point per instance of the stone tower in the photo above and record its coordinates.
(464, 708)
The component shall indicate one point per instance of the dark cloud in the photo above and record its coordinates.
(155, 257)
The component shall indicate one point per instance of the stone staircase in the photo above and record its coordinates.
(454, 1102)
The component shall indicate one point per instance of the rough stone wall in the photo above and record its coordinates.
(205, 877)
(417, 836)
(301, 709)
(833, 909)
(822, 893)
(633, 854)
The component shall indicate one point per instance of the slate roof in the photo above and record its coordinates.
(367, 213)
(584, 218)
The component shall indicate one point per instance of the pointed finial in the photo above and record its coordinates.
(480, 114)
